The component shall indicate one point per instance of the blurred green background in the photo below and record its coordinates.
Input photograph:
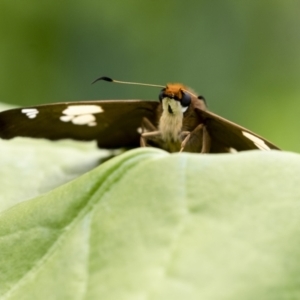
(243, 56)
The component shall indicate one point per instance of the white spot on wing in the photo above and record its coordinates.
(257, 141)
(81, 114)
(66, 118)
(82, 110)
(83, 119)
(30, 112)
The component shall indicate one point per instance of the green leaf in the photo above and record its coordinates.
(31, 167)
(150, 225)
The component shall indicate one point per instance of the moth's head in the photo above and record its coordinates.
(175, 98)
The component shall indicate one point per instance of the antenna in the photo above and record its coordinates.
(125, 82)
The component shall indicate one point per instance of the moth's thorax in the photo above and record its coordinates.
(170, 122)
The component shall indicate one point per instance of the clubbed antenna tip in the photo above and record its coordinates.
(103, 78)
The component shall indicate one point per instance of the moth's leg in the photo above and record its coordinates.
(193, 142)
(147, 127)
(197, 141)
(142, 142)
(147, 135)
(187, 135)
(205, 141)
(184, 134)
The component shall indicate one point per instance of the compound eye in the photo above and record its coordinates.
(186, 99)
(161, 94)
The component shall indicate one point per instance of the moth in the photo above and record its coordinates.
(179, 121)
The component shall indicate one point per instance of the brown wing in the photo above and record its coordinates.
(226, 135)
(113, 124)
